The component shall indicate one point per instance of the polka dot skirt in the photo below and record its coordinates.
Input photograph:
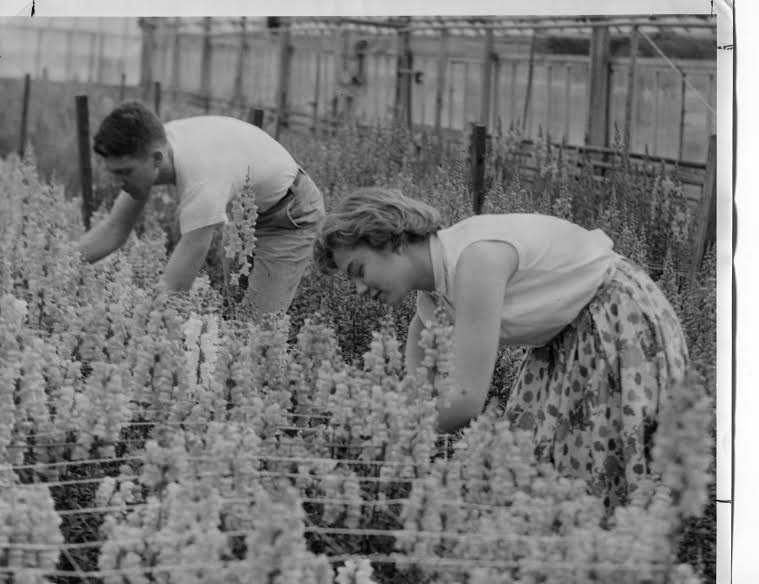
(591, 396)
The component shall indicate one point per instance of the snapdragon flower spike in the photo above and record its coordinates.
(239, 233)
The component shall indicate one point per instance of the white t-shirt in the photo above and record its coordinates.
(212, 157)
(560, 267)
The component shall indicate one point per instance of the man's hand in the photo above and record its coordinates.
(187, 259)
(110, 234)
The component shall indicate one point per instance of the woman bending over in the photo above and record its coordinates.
(604, 344)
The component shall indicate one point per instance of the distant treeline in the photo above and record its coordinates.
(674, 46)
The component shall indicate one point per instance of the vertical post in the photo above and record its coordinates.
(450, 101)
(477, 166)
(549, 92)
(657, 91)
(101, 55)
(706, 226)
(487, 78)
(146, 55)
(465, 91)
(567, 102)
(630, 100)
(317, 91)
(256, 117)
(242, 58)
(681, 133)
(166, 50)
(495, 100)
(24, 116)
(176, 63)
(125, 41)
(399, 76)
(513, 99)
(157, 98)
(403, 77)
(338, 66)
(528, 91)
(442, 68)
(85, 162)
(285, 64)
(205, 65)
(597, 127)
(122, 87)
(408, 84)
(709, 114)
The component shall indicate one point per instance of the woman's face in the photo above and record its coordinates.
(381, 275)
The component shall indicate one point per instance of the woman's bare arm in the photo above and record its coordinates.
(483, 270)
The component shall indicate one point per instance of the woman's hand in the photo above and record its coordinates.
(482, 272)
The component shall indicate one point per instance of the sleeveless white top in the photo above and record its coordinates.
(560, 267)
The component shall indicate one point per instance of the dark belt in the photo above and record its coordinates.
(284, 201)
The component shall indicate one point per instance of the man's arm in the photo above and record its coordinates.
(111, 233)
(187, 259)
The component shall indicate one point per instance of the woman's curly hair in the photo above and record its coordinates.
(376, 217)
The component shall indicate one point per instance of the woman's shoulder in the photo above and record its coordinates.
(497, 226)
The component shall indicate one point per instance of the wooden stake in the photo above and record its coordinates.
(597, 128)
(205, 65)
(242, 57)
(101, 56)
(442, 69)
(681, 134)
(24, 116)
(408, 85)
(709, 114)
(317, 91)
(146, 61)
(465, 91)
(403, 97)
(285, 63)
(477, 163)
(630, 97)
(528, 91)
(568, 102)
(487, 78)
(496, 109)
(85, 161)
(706, 226)
(450, 101)
(157, 98)
(657, 91)
(176, 61)
(513, 100)
(549, 91)
(256, 117)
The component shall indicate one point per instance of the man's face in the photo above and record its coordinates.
(133, 174)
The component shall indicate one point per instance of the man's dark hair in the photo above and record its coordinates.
(129, 130)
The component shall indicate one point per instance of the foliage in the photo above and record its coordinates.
(245, 446)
